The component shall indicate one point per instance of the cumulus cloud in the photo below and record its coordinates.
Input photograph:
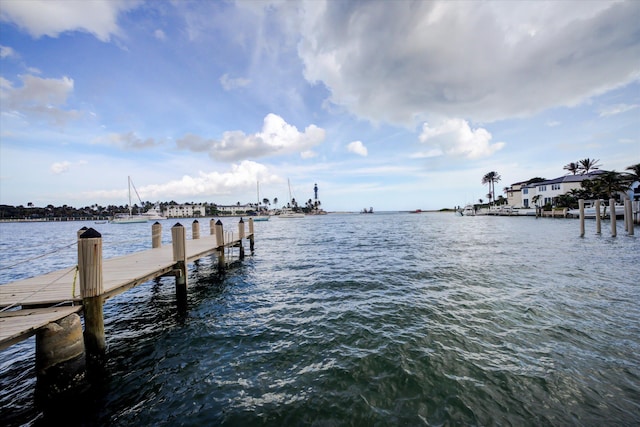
(159, 34)
(485, 60)
(357, 147)
(39, 97)
(229, 83)
(455, 137)
(60, 167)
(241, 177)
(50, 18)
(129, 141)
(276, 138)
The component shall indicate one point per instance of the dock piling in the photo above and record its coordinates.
(251, 234)
(581, 208)
(91, 290)
(195, 230)
(612, 214)
(220, 244)
(598, 218)
(628, 216)
(240, 237)
(179, 242)
(156, 235)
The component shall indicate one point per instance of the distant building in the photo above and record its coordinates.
(184, 211)
(523, 193)
(235, 209)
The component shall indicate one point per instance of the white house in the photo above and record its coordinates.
(234, 209)
(551, 188)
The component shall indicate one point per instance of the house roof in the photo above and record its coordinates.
(567, 178)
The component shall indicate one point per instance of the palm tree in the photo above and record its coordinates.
(635, 171)
(610, 183)
(491, 178)
(587, 165)
(572, 167)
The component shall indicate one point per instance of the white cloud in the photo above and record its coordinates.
(38, 97)
(357, 147)
(455, 137)
(241, 177)
(617, 109)
(308, 154)
(60, 167)
(277, 138)
(50, 18)
(128, 141)
(159, 34)
(6, 52)
(229, 83)
(485, 60)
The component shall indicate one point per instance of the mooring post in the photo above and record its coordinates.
(581, 209)
(156, 235)
(628, 216)
(91, 290)
(240, 237)
(220, 244)
(612, 214)
(251, 231)
(179, 242)
(195, 230)
(82, 230)
(598, 218)
(212, 227)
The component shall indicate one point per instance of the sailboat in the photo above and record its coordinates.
(260, 216)
(288, 212)
(123, 218)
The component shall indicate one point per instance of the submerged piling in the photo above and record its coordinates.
(598, 218)
(581, 209)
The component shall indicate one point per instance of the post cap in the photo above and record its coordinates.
(241, 220)
(90, 234)
(219, 222)
(156, 223)
(195, 221)
(177, 225)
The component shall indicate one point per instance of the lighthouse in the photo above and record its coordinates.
(315, 191)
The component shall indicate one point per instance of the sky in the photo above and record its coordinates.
(395, 105)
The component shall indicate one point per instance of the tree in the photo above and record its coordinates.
(611, 183)
(491, 178)
(572, 167)
(635, 171)
(587, 165)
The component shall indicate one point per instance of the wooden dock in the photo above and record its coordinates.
(30, 304)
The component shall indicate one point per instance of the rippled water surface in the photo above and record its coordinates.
(383, 319)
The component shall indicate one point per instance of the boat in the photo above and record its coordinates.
(468, 211)
(123, 218)
(288, 212)
(365, 211)
(590, 211)
(416, 211)
(154, 213)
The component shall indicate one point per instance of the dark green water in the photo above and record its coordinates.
(365, 320)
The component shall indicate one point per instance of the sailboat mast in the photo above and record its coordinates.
(129, 182)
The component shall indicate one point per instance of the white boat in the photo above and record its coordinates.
(123, 218)
(590, 211)
(288, 212)
(260, 216)
(468, 211)
(154, 214)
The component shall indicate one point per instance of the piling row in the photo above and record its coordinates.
(627, 211)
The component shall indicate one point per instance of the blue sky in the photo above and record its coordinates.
(397, 105)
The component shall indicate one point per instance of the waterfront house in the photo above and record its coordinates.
(547, 190)
(184, 211)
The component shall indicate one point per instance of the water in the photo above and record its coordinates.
(384, 319)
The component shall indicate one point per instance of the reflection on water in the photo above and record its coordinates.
(362, 319)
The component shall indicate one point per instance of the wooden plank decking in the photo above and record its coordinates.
(61, 288)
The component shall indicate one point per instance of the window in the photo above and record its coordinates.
(542, 188)
(525, 191)
(555, 186)
(547, 200)
(526, 203)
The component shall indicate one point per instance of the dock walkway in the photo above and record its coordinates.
(29, 304)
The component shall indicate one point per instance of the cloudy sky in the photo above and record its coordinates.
(396, 105)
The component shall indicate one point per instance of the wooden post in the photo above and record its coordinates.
(82, 230)
(212, 227)
(91, 290)
(195, 230)
(240, 237)
(220, 244)
(598, 218)
(251, 232)
(612, 214)
(581, 208)
(628, 216)
(156, 235)
(179, 242)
